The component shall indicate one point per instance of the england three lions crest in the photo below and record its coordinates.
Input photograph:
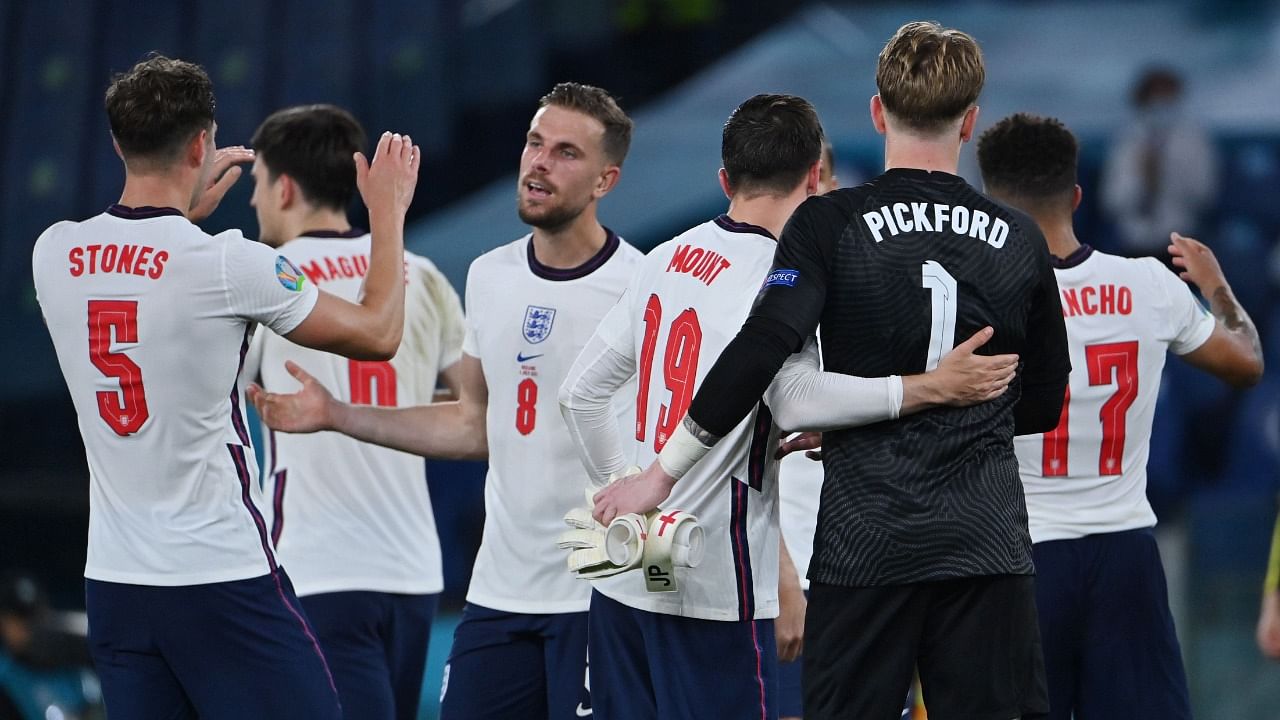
(537, 323)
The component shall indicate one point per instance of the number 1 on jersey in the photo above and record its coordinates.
(942, 326)
(1108, 363)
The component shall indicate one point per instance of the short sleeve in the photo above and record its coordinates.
(1189, 324)
(264, 286)
(446, 308)
(470, 339)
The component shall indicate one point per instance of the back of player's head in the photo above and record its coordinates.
(600, 105)
(157, 107)
(769, 144)
(928, 75)
(1030, 162)
(313, 145)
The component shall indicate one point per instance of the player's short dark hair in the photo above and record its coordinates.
(769, 143)
(1029, 159)
(313, 145)
(158, 106)
(928, 75)
(600, 105)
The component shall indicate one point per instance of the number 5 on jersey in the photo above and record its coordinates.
(124, 411)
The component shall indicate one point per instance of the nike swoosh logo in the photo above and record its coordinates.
(521, 357)
(582, 712)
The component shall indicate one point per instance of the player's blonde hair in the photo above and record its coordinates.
(928, 75)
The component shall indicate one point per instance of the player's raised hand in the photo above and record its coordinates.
(226, 171)
(633, 494)
(964, 378)
(387, 184)
(306, 411)
(1197, 262)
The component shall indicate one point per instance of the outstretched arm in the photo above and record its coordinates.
(452, 430)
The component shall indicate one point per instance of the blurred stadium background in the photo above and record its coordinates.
(463, 77)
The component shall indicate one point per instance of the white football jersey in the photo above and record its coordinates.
(527, 323)
(685, 304)
(1089, 475)
(151, 318)
(799, 490)
(347, 515)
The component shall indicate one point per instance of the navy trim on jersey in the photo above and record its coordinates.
(741, 549)
(277, 507)
(144, 212)
(727, 223)
(354, 232)
(242, 470)
(611, 244)
(758, 452)
(237, 419)
(1078, 256)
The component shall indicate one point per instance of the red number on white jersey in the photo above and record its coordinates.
(124, 411)
(679, 369)
(526, 406)
(372, 383)
(1108, 363)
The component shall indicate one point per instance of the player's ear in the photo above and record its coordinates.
(968, 124)
(287, 189)
(877, 114)
(197, 148)
(606, 182)
(1076, 198)
(724, 184)
(814, 179)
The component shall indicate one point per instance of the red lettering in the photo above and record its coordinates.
(127, 254)
(109, 254)
(694, 257)
(144, 257)
(1070, 303)
(677, 260)
(1126, 300)
(314, 273)
(362, 265)
(76, 256)
(157, 268)
(347, 269)
(1090, 307)
(93, 258)
(1108, 300)
(719, 269)
(332, 268)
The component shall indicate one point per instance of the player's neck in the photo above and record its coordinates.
(934, 155)
(767, 211)
(164, 190)
(1060, 235)
(312, 220)
(571, 245)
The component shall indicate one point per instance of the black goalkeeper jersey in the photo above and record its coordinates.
(897, 271)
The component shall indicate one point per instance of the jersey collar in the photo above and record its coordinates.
(728, 223)
(354, 232)
(145, 212)
(611, 243)
(1079, 255)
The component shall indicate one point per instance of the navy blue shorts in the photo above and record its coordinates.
(651, 665)
(513, 665)
(230, 650)
(1110, 648)
(376, 645)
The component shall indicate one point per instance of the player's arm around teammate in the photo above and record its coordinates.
(1233, 352)
(453, 430)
